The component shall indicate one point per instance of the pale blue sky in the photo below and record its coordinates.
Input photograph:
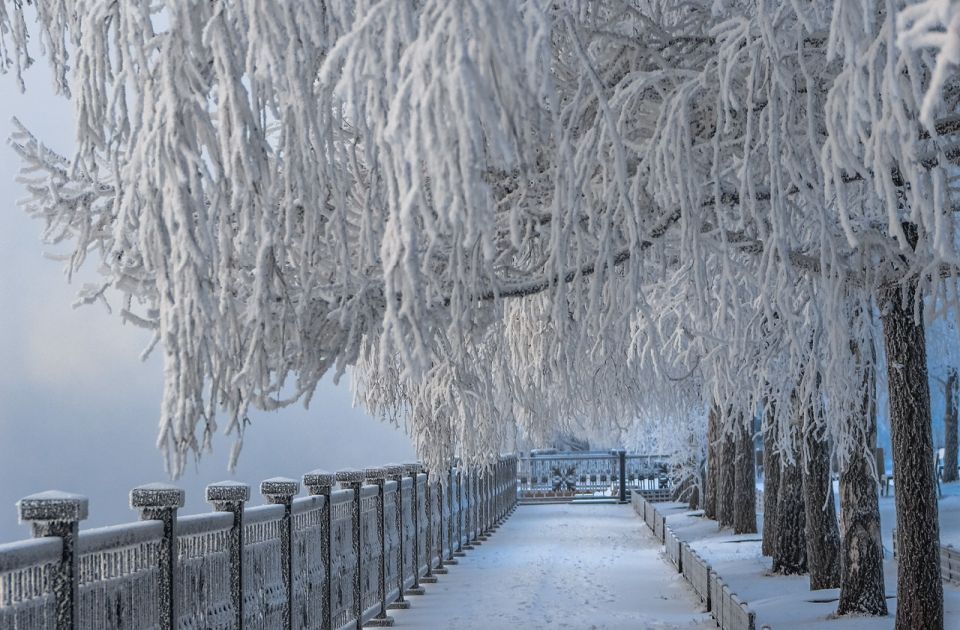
(78, 410)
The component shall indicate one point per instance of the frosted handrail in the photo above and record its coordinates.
(262, 513)
(203, 523)
(305, 504)
(112, 536)
(27, 553)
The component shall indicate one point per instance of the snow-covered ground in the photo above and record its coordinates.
(561, 566)
(786, 601)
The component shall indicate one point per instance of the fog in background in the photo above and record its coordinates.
(79, 410)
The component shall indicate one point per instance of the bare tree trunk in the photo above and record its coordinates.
(727, 476)
(861, 580)
(745, 480)
(823, 536)
(710, 479)
(771, 482)
(950, 428)
(790, 545)
(919, 589)
(694, 498)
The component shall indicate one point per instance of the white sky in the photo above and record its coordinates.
(79, 411)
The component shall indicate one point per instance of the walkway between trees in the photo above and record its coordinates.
(561, 566)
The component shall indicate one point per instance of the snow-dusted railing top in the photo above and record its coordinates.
(337, 558)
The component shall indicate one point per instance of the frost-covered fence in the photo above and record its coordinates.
(548, 475)
(338, 558)
(729, 611)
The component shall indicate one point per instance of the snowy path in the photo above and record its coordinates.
(560, 566)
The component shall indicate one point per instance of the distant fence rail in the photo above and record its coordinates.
(336, 559)
(546, 475)
(728, 610)
(949, 561)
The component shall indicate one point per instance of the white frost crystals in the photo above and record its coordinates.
(508, 218)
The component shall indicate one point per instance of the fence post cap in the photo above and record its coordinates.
(157, 495)
(350, 476)
(413, 469)
(319, 479)
(279, 489)
(53, 505)
(618, 451)
(228, 491)
(375, 473)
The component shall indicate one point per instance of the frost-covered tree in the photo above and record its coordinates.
(511, 216)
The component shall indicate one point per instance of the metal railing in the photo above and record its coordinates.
(338, 558)
(546, 475)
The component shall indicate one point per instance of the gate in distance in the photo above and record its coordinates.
(549, 476)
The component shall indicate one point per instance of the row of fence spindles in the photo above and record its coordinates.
(490, 494)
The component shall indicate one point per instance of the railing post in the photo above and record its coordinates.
(319, 483)
(621, 454)
(378, 476)
(481, 522)
(466, 482)
(440, 570)
(280, 491)
(514, 473)
(505, 487)
(494, 497)
(500, 491)
(353, 480)
(485, 503)
(230, 496)
(461, 515)
(475, 507)
(511, 483)
(491, 494)
(160, 502)
(395, 472)
(450, 525)
(413, 470)
(429, 577)
(58, 514)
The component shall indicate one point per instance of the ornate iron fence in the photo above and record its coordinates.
(546, 475)
(338, 558)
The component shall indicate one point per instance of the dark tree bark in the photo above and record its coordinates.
(727, 476)
(710, 478)
(745, 480)
(919, 589)
(771, 482)
(823, 536)
(861, 580)
(693, 502)
(950, 428)
(790, 545)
